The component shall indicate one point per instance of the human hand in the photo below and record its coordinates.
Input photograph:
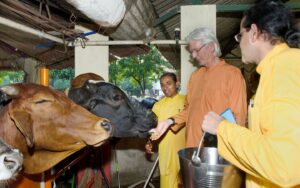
(149, 147)
(211, 122)
(160, 129)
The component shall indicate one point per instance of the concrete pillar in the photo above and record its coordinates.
(31, 70)
(93, 59)
(193, 16)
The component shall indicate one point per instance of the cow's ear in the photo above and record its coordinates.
(23, 122)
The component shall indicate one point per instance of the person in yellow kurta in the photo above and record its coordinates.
(269, 151)
(171, 142)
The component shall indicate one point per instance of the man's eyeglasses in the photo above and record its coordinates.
(238, 37)
(197, 50)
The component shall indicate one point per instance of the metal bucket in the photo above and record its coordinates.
(214, 172)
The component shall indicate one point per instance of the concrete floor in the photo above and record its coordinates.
(154, 182)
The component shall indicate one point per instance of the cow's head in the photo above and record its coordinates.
(51, 125)
(11, 161)
(107, 100)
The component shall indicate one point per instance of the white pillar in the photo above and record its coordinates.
(31, 70)
(193, 16)
(93, 59)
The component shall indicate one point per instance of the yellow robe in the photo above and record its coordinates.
(171, 143)
(270, 151)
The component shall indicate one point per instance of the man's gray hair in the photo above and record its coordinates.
(205, 35)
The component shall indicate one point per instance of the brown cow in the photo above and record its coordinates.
(47, 126)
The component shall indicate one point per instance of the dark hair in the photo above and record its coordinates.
(274, 20)
(170, 74)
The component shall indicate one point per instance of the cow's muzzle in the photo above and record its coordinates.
(13, 161)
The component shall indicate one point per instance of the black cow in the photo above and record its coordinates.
(148, 102)
(109, 101)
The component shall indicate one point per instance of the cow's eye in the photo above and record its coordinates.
(42, 98)
(93, 104)
(42, 101)
(116, 97)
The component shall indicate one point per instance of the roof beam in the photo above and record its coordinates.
(233, 8)
(294, 5)
(124, 42)
(243, 7)
(170, 14)
(24, 28)
(220, 8)
(197, 2)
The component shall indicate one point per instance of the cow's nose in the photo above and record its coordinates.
(107, 125)
(13, 162)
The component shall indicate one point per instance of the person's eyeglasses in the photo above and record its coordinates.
(198, 50)
(238, 37)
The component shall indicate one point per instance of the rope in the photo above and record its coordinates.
(73, 181)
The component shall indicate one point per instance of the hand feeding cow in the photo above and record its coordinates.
(107, 100)
(47, 126)
(11, 161)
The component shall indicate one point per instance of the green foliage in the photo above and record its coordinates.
(9, 77)
(114, 77)
(136, 74)
(60, 79)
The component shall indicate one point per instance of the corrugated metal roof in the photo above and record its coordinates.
(158, 18)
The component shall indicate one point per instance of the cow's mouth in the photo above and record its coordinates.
(143, 134)
(13, 162)
(130, 134)
(100, 143)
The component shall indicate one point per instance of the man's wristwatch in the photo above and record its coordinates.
(173, 121)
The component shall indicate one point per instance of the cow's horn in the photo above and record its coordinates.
(9, 90)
